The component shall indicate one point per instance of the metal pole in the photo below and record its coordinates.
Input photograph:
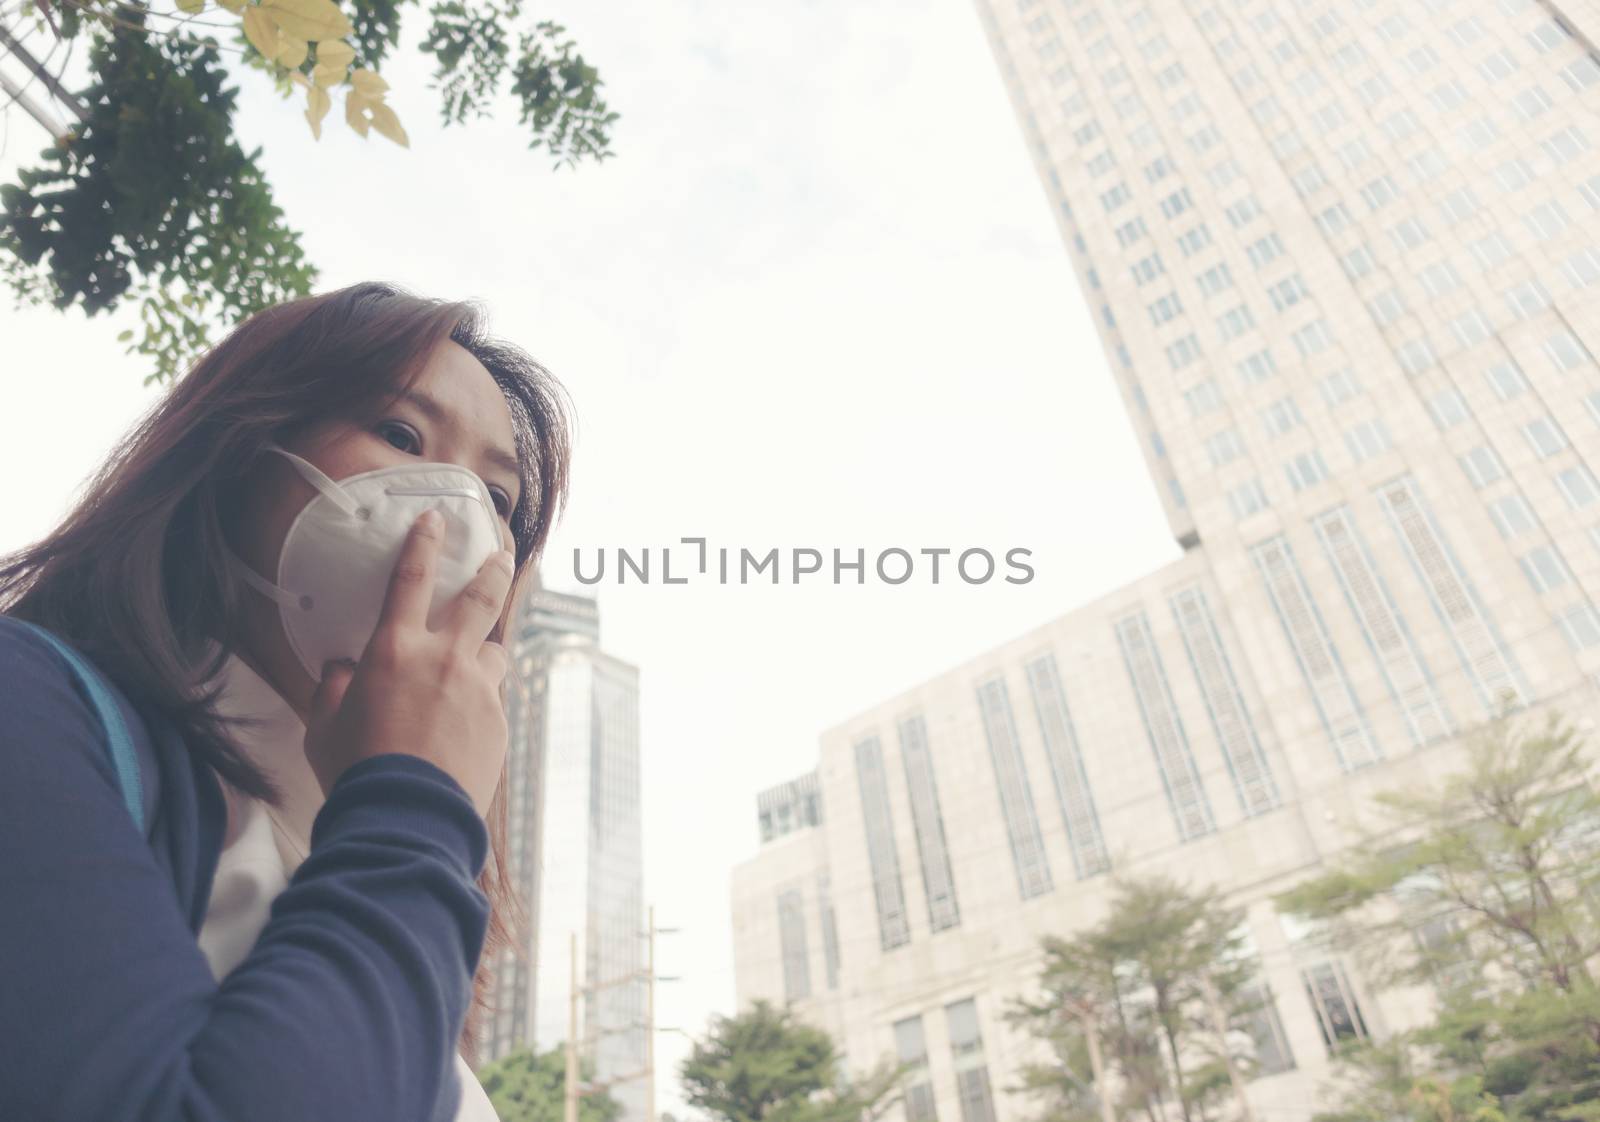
(572, 1038)
(650, 1022)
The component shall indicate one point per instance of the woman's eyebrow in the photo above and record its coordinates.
(439, 415)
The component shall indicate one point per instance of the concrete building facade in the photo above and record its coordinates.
(1343, 258)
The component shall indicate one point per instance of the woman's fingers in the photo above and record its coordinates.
(477, 609)
(411, 583)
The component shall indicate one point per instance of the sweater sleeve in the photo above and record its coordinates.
(349, 1006)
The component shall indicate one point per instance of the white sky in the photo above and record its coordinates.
(816, 300)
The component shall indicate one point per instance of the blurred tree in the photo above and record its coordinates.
(1487, 890)
(148, 197)
(1155, 988)
(763, 1065)
(524, 1087)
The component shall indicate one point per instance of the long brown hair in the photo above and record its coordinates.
(134, 575)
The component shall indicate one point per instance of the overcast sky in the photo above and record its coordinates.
(816, 300)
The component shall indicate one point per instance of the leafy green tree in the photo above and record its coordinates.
(764, 1065)
(524, 1087)
(1148, 987)
(149, 198)
(1486, 889)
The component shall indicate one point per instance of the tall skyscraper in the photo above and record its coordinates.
(1342, 256)
(576, 849)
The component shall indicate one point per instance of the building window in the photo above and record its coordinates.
(1315, 654)
(972, 1073)
(1202, 398)
(1261, 1021)
(1367, 439)
(1193, 241)
(1230, 720)
(1287, 292)
(1306, 470)
(792, 938)
(1526, 299)
(1281, 416)
(1578, 486)
(912, 1049)
(1544, 569)
(830, 930)
(928, 821)
(1547, 220)
(1482, 466)
(1483, 656)
(1264, 250)
(1235, 322)
(1448, 408)
(1470, 328)
(1147, 269)
(1016, 794)
(1214, 280)
(1247, 498)
(1334, 1002)
(1089, 856)
(1582, 269)
(1338, 387)
(1163, 725)
(1183, 352)
(1544, 436)
(1581, 626)
(1257, 368)
(1506, 379)
(1313, 338)
(1565, 350)
(1224, 447)
(882, 854)
(1511, 515)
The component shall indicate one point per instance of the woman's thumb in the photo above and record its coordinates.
(336, 675)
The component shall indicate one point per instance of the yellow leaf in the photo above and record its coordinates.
(312, 20)
(335, 53)
(325, 76)
(387, 124)
(368, 82)
(317, 106)
(191, 7)
(234, 6)
(298, 79)
(291, 51)
(356, 112)
(261, 30)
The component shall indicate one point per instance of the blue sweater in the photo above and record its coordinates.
(347, 1009)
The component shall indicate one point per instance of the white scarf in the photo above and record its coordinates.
(263, 846)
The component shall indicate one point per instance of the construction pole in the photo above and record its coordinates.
(1219, 1024)
(572, 1038)
(650, 1020)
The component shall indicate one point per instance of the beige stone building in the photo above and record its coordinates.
(1344, 256)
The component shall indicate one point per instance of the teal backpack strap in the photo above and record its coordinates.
(119, 741)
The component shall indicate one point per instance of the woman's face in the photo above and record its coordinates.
(453, 413)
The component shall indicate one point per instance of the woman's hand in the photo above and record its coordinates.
(433, 694)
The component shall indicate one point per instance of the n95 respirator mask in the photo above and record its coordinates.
(337, 557)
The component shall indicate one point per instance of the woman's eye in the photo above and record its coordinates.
(502, 502)
(408, 438)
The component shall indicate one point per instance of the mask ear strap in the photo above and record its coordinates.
(262, 585)
(314, 476)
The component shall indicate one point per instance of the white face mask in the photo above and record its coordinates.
(334, 568)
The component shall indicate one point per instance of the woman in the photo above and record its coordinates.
(311, 670)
